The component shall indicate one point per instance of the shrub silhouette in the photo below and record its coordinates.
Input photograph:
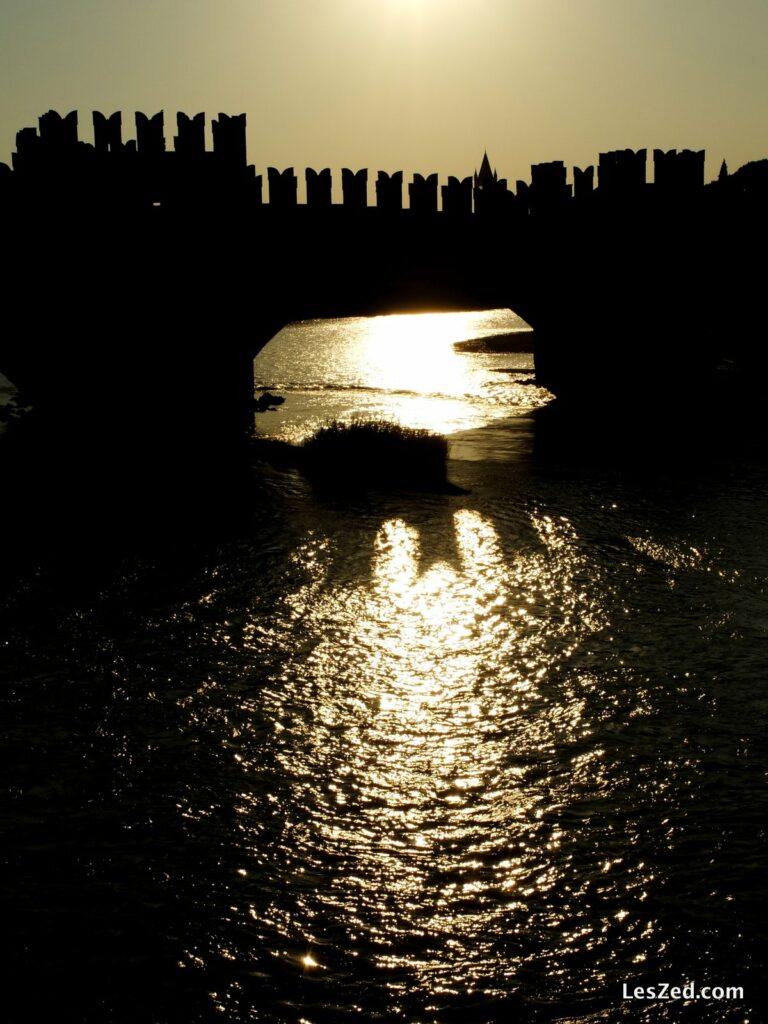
(376, 451)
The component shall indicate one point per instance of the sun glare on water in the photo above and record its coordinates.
(402, 367)
(414, 352)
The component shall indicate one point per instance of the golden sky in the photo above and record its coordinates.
(418, 85)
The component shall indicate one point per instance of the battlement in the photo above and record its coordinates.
(622, 170)
(56, 137)
(51, 164)
(187, 272)
(678, 172)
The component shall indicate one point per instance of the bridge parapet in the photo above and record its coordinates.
(52, 160)
(195, 219)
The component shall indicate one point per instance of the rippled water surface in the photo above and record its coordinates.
(404, 367)
(430, 758)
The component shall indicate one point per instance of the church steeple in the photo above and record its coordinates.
(485, 176)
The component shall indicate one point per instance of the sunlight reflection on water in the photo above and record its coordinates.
(402, 367)
(450, 758)
(413, 725)
(429, 758)
(451, 785)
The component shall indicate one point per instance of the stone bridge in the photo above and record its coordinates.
(139, 283)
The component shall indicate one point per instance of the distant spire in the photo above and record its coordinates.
(485, 176)
(723, 171)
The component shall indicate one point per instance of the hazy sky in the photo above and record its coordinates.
(422, 85)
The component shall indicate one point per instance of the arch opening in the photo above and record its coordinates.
(448, 372)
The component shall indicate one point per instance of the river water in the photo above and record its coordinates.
(404, 368)
(476, 757)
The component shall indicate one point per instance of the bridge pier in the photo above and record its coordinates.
(133, 329)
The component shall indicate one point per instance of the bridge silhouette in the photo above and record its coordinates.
(140, 283)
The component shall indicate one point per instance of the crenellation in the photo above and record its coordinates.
(146, 214)
(108, 132)
(389, 191)
(140, 170)
(354, 188)
(150, 135)
(548, 191)
(58, 133)
(283, 187)
(621, 172)
(422, 193)
(190, 140)
(674, 173)
(583, 182)
(319, 184)
(229, 139)
(457, 196)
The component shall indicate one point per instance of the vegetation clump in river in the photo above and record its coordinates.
(369, 452)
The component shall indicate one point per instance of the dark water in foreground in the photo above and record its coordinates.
(405, 757)
(399, 757)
